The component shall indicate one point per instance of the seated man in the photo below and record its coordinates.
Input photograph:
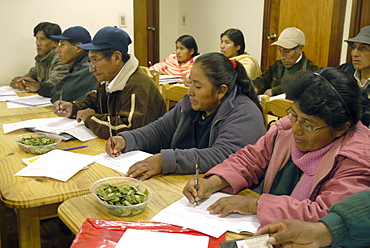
(48, 67)
(126, 95)
(359, 68)
(292, 59)
(79, 80)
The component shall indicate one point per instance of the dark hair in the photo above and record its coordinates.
(189, 42)
(237, 37)
(329, 94)
(48, 28)
(107, 53)
(220, 70)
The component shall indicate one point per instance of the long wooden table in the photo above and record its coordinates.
(37, 198)
(166, 190)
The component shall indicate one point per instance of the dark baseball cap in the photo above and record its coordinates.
(109, 38)
(77, 33)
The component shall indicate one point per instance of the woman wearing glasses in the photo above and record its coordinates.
(316, 156)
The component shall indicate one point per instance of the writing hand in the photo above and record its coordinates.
(62, 108)
(119, 143)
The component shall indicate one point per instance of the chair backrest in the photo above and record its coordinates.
(275, 107)
(152, 75)
(173, 93)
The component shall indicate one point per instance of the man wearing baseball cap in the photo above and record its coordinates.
(48, 67)
(292, 59)
(79, 80)
(359, 68)
(126, 97)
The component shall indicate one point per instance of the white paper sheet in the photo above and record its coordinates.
(183, 213)
(32, 101)
(123, 162)
(143, 239)
(57, 164)
(56, 125)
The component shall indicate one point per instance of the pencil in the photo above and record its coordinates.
(196, 177)
(110, 133)
(60, 100)
(72, 148)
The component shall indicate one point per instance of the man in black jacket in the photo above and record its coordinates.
(79, 81)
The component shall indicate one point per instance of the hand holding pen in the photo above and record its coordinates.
(62, 108)
(196, 178)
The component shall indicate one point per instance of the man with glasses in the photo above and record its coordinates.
(79, 80)
(126, 97)
(292, 59)
(359, 68)
(48, 67)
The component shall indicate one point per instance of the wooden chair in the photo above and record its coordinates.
(274, 109)
(154, 76)
(172, 94)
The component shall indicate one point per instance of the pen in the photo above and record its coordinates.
(72, 148)
(196, 177)
(110, 133)
(60, 100)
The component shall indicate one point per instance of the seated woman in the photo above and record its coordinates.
(179, 62)
(316, 156)
(219, 115)
(233, 46)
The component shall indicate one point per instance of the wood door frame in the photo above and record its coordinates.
(146, 45)
(271, 21)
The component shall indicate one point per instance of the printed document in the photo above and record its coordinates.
(184, 213)
(56, 125)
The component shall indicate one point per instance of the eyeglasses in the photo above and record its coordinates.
(93, 63)
(306, 127)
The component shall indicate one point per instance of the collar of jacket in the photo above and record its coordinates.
(82, 58)
(48, 58)
(123, 76)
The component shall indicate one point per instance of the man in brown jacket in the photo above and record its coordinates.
(125, 94)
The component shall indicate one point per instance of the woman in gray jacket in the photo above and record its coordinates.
(219, 115)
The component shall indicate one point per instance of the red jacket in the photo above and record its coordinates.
(343, 171)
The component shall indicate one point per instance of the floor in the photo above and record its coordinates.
(54, 234)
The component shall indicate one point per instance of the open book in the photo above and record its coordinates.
(56, 125)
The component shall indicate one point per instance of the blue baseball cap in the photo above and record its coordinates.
(77, 33)
(109, 38)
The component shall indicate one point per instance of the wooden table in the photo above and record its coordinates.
(37, 198)
(166, 190)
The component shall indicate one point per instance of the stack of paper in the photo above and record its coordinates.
(29, 101)
(170, 79)
(56, 125)
(57, 164)
(183, 213)
(7, 93)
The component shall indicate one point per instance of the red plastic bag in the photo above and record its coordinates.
(97, 233)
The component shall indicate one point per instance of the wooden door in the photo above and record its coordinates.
(360, 17)
(146, 31)
(321, 21)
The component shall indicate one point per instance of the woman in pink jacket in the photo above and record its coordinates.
(316, 156)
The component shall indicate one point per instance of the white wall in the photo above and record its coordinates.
(19, 17)
(207, 19)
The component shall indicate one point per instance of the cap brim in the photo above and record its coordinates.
(285, 44)
(59, 37)
(90, 46)
(365, 40)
